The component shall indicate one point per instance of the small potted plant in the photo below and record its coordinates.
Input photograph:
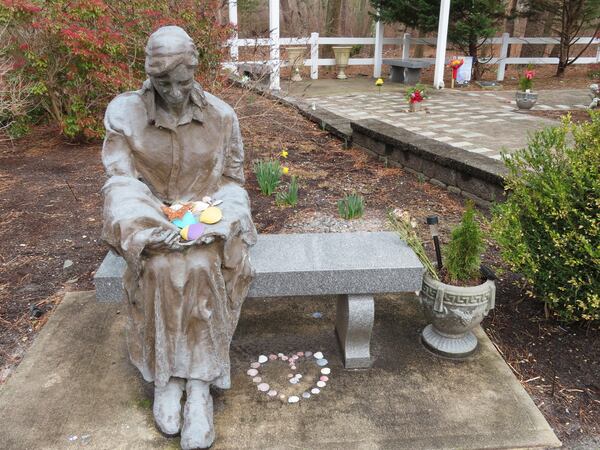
(458, 295)
(526, 98)
(414, 97)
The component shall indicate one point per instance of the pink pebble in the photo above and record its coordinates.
(284, 358)
(294, 357)
(256, 379)
(300, 353)
(252, 372)
(324, 378)
(263, 387)
(255, 365)
(272, 357)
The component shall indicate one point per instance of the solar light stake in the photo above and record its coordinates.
(432, 221)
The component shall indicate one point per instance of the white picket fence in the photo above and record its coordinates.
(314, 41)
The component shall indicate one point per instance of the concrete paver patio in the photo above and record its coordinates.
(483, 122)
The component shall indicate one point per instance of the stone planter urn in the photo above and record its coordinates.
(296, 59)
(342, 55)
(454, 311)
(526, 100)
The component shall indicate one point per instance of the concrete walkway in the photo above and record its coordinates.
(76, 388)
(483, 122)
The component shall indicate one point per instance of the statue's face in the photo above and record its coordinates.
(175, 86)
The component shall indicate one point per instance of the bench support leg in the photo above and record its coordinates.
(397, 74)
(411, 76)
(354, 324)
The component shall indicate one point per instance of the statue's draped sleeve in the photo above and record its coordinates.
(131, 212)
(234, 163)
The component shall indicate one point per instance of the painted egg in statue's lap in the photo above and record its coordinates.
(192, 232)
(211, 215)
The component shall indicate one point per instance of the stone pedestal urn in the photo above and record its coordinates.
(296, 59)
(526, 100)
(342, 55)
(454, 311)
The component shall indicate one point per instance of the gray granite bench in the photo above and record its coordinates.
(407, 71)
(255, 71)
(351, 266)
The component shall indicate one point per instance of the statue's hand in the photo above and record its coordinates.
(200, 240)
(163, 239)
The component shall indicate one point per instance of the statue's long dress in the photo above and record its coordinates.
(183, 305)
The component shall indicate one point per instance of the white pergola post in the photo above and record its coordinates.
(314, 56)
(274, 61)
(377, 56)
(440, 49)
(233, 20)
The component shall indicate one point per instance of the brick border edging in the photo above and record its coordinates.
(469, 174)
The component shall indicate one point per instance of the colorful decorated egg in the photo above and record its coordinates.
(187, 219)
(211, 215)
(192, 232)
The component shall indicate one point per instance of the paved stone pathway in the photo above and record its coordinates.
(480, 122)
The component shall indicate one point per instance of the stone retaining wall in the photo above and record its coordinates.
(474, 176)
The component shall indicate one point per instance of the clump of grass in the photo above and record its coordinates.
(268, 174)
(351, 206)
(290, 196)
(401, 222)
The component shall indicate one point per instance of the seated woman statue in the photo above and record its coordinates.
(171, 143)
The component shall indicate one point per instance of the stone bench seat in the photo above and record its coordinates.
(351, 266)
(255, 71)
(407, 71)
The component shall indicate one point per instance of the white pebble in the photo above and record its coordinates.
(294, 380)
(272, 393)
(263, 387)
(252, 372)
(255, 365)
(262, 359)
(315, 391)
(307, 354)
(321, 384)
(290, 375)
(306, 394)
(318, 355)
(298, 375)
(280, 355)
(256, 379)
(325, 370)
(293, 399)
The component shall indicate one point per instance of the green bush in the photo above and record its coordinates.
(268, 174)
(289, 196)
(351, 206)
(548, 229)
(463, 252)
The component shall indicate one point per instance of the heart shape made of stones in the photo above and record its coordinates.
(301, 375)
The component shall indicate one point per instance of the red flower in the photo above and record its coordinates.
(529, 74)
(416, 97)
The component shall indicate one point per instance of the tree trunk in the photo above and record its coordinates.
(332, 23)
(473, 50)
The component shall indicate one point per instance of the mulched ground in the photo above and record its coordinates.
(51, 209)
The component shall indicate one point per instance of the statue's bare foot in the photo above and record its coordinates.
(198, 431)
(167, 406)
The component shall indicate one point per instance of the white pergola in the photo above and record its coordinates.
(274, 61)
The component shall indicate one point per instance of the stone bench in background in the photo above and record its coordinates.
(407, 71)
(351, 266)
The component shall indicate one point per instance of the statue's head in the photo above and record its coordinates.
(171, 61)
